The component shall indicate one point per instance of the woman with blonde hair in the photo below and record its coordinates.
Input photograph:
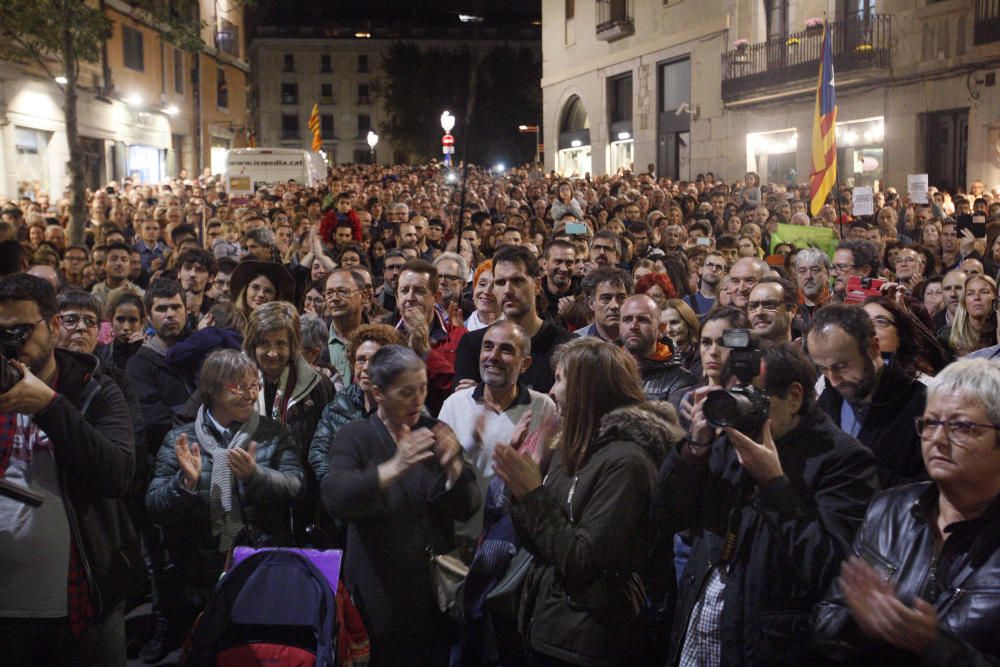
(975, 326)
(587, 524)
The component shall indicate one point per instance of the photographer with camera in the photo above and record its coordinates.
(66, 437)
(771, 493)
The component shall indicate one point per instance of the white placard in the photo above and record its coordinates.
(916, 186)
(864, 201)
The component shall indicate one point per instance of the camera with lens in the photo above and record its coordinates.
(10, 346)
(744, 407)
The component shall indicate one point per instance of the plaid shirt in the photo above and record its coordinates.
(703, 639)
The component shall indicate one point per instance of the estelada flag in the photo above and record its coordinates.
(314, 126)
(823, 170)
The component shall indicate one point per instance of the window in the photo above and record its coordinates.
(363, 64)
(362, 156)
(570, 9)
(326, 93)
(675, 85)
(326, 125)
(289, 63)
(227, 38)
(777, 17)
(363, 97)
(289, 126)
(132, 48)
(620, 98)
(178, 72)
(221, 89)
(364, 124)
(324, 64)
(289, 93)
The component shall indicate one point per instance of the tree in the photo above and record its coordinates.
(66, 33)
(418, 84)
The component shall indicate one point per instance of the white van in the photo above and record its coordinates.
(250, 169)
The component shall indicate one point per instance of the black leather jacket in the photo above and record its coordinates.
(897, 538)
(661, 378)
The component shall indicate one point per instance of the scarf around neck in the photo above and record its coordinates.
(226, 519)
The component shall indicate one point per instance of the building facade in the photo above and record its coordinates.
(146, 111)
(296, 67)
(729, 86)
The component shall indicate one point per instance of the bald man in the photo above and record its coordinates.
(641, 331)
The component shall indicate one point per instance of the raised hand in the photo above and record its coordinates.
(189, 459)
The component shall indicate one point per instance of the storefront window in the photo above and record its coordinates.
(621, 153)
(220, 150)
(574, 161)
(146, 163)
(772, 155)
(31, 161)
(860, 154)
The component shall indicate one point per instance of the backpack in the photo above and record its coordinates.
(274, 608)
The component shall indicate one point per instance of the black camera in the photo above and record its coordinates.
(11, 341)
(744, 407)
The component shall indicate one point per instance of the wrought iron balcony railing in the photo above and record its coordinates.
(987, 26)
(858, 43)
(615, 19)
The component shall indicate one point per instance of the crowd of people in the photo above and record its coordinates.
(654, 430)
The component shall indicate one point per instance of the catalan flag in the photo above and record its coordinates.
(314, 126)
(823, 172)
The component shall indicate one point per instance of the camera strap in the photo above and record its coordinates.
(733, 525)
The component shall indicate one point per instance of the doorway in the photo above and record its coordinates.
(947, 148)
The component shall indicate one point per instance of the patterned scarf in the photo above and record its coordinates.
(226, 520)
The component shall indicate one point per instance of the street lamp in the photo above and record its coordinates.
(535, 129)
(372, 141)
(447, 141)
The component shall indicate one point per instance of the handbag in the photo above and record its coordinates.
(448, 574)
(504, 599)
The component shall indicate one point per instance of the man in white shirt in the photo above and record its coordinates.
(483, 415)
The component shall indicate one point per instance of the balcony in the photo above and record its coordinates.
(987, 26)
(859, 44)
(615, 19)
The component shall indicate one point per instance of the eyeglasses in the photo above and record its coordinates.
(770, 305)
(245, 389)
(341, 292)
(603, 248)
(958, 430)
(71, 321)
(842, 267)
(269, 292)
(883, 322)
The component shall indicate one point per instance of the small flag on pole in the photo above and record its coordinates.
(823, 170)
(314, 126)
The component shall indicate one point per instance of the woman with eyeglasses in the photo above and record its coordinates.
(921, 584)
(229, 472)
(255, 283)
(904, 340)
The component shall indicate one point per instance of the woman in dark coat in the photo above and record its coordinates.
(400, 482)
(229, 467)
(588, 524)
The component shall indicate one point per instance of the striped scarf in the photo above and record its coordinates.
(226, 520)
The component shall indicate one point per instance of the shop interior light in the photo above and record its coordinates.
(61, 80)
(171, 110)
(363, 35)
(623, 136)
(134, 100)
(576, 143)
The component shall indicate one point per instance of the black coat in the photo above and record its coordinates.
(386, 565)
(589, 531)
(162, 393)
(90, 425)
(661, 378)
(888, 428)
(789, 536)
(897, 538)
